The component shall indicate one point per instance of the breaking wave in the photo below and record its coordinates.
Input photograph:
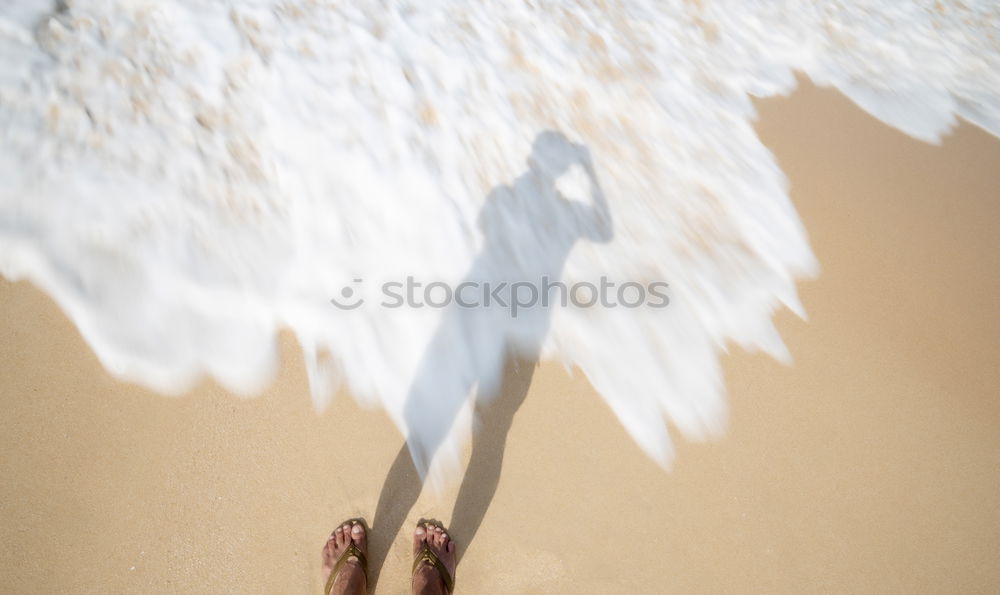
(188, 177)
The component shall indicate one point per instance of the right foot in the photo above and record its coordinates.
(427, 579)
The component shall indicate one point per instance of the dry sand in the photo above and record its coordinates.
(871, 465)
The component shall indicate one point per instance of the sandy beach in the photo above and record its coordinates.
(870, 465)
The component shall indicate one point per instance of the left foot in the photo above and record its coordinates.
(350, 578)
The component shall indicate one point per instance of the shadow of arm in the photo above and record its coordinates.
(598, 225)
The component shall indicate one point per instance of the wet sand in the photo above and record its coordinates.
(870, 465)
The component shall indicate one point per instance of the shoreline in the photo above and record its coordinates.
(870, 464)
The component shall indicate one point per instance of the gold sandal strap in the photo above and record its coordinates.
(426, 555)
(351, 551)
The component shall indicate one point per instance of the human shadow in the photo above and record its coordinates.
(484, 346)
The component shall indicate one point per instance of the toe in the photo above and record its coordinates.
(418, 537)
(330, 550)
(359, 537)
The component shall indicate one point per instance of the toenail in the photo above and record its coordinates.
(420, 530)
(356, 529)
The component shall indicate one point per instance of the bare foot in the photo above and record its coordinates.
(427, 579)
(350, 579)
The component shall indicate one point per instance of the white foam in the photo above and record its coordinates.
(187, 177)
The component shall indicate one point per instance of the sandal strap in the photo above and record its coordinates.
(426, 555)
(351, 551)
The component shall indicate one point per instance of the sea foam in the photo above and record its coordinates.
(188, 177)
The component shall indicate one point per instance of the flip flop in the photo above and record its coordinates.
(352, 550)
(427, 555)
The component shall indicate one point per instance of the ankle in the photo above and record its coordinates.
(351, 579)
(427, 581)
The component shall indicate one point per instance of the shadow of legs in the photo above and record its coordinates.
(402, 484)
(399, 493)
(488, 443)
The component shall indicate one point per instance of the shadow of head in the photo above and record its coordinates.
(552, 154)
